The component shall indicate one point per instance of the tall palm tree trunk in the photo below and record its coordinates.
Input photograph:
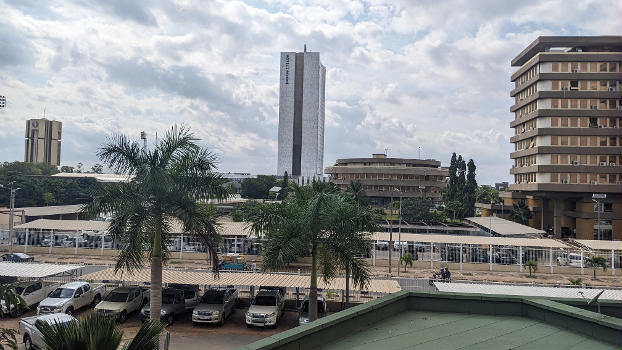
(347, 286)
(155, 301)
(313, 287)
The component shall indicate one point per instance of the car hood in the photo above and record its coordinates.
(54, 302)
(108, 305)
(260, 309)
(209, 307)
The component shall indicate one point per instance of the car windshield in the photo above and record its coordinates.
(19, 290)
(305, 306)
(62, 293)
(116, 297)
(212, 298)
(264, 300)
(168, 298)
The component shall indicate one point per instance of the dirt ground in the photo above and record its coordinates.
(542, 277)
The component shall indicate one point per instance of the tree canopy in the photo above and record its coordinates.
(462, 186)
(259, 187)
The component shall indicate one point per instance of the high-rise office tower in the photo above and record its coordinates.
(43, 141)
(567, 135)
(301, 114)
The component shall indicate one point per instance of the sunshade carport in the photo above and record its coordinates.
(63, 225)
(236, 279)
(600, 246)
(35, 270)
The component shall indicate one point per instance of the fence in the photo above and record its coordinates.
(495, 258)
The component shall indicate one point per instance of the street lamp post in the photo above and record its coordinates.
(390, 247)
(399, 234)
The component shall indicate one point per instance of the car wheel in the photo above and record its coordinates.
(96, 300)
(195, 324)
(69, 311)
(221, 322)
(170, 319)
(122, 317)
(16, 312)
(248, 325)
(28, 342)
(143, 303)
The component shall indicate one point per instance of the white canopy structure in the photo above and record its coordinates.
(236, 279)
(502, 227)
(65, 225)
(474, 240)
(599, 244)
(528, 291)
(34, 270)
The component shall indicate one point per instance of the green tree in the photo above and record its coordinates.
(417, 209)
(97, 168)
(453, 207)
(520, 213)
(486, 194)
(15, 304)
(48, 198)
(452, 190)
(357, 191)
(98, 332)
(169, 182)
(407, 260)
(532, 265)
(66, 169)
(284, 186)
(257, 188)
(318, 221)
(595, 262)
(469, 190)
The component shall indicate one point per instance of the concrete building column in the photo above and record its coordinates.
(461, 257)
(557, 218)
(26, 243)
(551, 259)
(613, 263)
(542, 211)
(582, 265)
(490, 257)
(520, 258)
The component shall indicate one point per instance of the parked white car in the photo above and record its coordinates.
(570, 259)
(122, 301)
(30, 335)
(266, 309)
(32, 292)
(70, 297)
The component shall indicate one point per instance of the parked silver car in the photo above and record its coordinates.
(173, 305)
(303, 310)
(32, 338)
(215, 306)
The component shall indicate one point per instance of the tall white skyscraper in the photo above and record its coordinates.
(301, 114)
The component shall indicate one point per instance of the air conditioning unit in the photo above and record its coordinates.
(594, 107)
(574, 162)
(603, 163)
(600, 126)
(565, 181)
(619, 107)
(612, 89)
(612, 164)
(565, 88)
(575, 71)
(593, 182)
(619, 182)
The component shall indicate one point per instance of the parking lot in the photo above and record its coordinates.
(186, 336)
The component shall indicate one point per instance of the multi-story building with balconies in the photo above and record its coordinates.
(383, 178)
(568, 134)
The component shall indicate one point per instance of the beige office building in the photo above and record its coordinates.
(568, 135)
(43, 138)
(384, 177)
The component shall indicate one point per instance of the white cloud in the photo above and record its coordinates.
(401, 75)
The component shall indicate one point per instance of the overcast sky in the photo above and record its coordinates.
(400, 74)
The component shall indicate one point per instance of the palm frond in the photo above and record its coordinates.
(11, 298)
(147, 338)
(121, 155)
(8, 339)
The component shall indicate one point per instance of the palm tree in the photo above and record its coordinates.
(532, 265)
(520, 213)
(319, 221)
(167, 183)
(595, 262)
(14, 303)
(407, 259)
(98, 332)
(357, 191)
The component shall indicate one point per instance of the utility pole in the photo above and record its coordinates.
(11, 209)
(399, 235)
(390, 247)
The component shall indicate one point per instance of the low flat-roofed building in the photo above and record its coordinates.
(383, 178)
(424, 320)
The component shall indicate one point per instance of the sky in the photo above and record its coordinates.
(409, 77)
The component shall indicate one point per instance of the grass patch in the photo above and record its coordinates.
(533, 276)
(173, 262)
(467, 274)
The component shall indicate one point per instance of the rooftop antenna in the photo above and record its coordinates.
(386, 152)
(143, 136)
(594, 300)
(305, 47)
(419, 152)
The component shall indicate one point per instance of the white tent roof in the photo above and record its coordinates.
(235, 278)
(49, 210)
(600, 245)
(65, 225)
(527, 291)
(503, 227)
(97, 177)
(475, 240)
(34, 270)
